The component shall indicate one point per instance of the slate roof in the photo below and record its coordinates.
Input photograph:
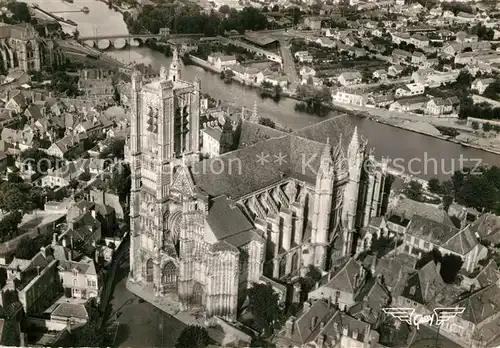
(407, 208)
(423, 285)
(395, 269)
(252, 133)
(344, 277)
(334, 321)
(448, 237)
(481, 304)
(71, 310)
(487, 226)
(304, 146)
(488, 275)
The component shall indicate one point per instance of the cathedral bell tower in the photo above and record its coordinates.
(164, 132)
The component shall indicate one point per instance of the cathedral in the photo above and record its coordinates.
(268, 206)
(22, 48)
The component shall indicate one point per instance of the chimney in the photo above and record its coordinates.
(96, 256)
(289, 326)
(54, 238)
(94, 213)
(44, 252)
(38, 270)
(64, 243)
(373, 266)
(71, 241)
(438, 268)
(70, 255)
(330, 275)
(355, 334)
(321, 326)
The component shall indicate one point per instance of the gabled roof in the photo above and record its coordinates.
(481, 304)
(423, 285)
(488, 275)
(344, 277)
(241, 174)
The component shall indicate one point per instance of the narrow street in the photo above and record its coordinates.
(140, 323)
(288, 62)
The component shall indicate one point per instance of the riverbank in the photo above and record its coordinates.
(388, 121)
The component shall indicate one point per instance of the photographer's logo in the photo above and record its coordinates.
(439, 316)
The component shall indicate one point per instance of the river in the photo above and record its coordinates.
(417, 154)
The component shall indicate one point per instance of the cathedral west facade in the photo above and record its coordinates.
(204, 230)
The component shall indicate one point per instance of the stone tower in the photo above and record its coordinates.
(164, 133)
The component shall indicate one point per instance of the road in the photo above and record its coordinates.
(288, 62)
(140, 323)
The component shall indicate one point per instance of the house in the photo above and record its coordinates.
(380, 74)
(420, 289)
(418, 58)
(320, 324)
(480, 85)
(17, 103)
(341, 284)
(79, 279)
(325, 42)
(313, 23)
(380, 100)
(419, 41)
(398, 38)
(394, 70)
(306, 72)
(349, 78)
(401, 56)
(220, 61)
(65, 145)
(69, 314)
(409, 90)
(478, 324)
(246, 74)
(347, 97)
(440, 106)
(392, 269)
(487, 227)
(371, 301)
(303, 57)
(63, 176)
(424, 235)
(409, 104)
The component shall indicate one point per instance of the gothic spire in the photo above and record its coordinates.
(174, 73)
(355, 139)
(327, 155)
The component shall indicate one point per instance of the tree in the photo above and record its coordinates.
(10, 333)
(225, 9)
(475, 125)
(15, 178)
(265, 121)
(76, 34)
(116, 95)
(478, 192)
(121, 181)
(9, 225)
(193, 336)
(20, 11)
(486, 126)
(464, 78)
(13, 196)
(264, 305)
(450, 266)
(434, 186)
(115, 149)
(90, 335)
(414, 191)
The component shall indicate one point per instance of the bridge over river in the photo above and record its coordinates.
(104, 41)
